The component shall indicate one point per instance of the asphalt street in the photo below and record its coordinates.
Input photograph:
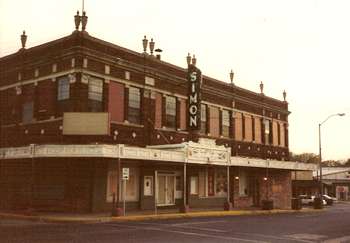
(331, 226)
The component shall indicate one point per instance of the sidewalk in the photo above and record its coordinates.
(141, 216)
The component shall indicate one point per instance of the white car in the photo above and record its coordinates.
(323, 201)
(309, 200)
(330, 200)
(306, 200)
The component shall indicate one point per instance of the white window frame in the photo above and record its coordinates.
(63, 88)
(95, 88)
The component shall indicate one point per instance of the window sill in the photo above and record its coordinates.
(127, 124)
(214, 197)
(167, 129)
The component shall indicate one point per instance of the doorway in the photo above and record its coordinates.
(255, 191)
(165, 189)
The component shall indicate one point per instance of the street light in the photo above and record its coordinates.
(320, 149)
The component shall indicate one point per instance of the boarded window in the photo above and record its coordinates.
(214, 122)
(158, 111)
(238, 126)
(248, 130)
(116, 101)
(27, 112)
(183, 114)
(203, 119)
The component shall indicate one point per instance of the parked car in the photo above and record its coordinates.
(330, 200)
(306, 200)
(323, 201)
(309, 200)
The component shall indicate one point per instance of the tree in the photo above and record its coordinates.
(313, 158)
(347, 163)
(332, 163)
(304, 157)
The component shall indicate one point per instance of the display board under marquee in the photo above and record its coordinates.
(86, 123)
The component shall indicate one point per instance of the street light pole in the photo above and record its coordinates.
(320, 149)
(320, 158)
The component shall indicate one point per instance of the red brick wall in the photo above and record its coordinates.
(158, 110)
(62, 51)
(57, 185)
(46, 99)
(116, 102)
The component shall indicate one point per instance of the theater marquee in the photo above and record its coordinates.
(194, 78)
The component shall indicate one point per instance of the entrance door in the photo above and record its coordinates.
(166, 189)
(256, 192)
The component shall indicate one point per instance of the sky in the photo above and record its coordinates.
(301, 46)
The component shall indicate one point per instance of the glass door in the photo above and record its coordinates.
(165, 189)
(170, 192)
(161, 197)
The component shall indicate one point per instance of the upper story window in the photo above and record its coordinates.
(279, 133)
(170, 111)
(253, 129)
(95, 94)
(134, 112)
(268, 131)
(63, 88)
(225, 123)
(27, 112)
(203, 119)
(95, 88)
(243, 126)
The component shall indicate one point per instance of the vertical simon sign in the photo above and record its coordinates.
(194, 78)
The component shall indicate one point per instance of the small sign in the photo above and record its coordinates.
(125, 173)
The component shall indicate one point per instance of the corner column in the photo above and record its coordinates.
(228, 204)
(185, 208)
(116, 210)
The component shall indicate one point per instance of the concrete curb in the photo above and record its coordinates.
(210, 214)
(55, 219)
(91, 220)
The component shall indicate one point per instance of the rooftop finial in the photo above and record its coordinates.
(84, 20)
(77, 21)
(188, 59)
(144, 44)
(232, 74)
(261, 87)
(151, 46)
(194, 60)
(23, 39)
(284, 95)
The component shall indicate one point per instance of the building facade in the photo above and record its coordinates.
(77, 110)
(336, 182)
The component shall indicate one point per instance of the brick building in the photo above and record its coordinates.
(76, 110)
